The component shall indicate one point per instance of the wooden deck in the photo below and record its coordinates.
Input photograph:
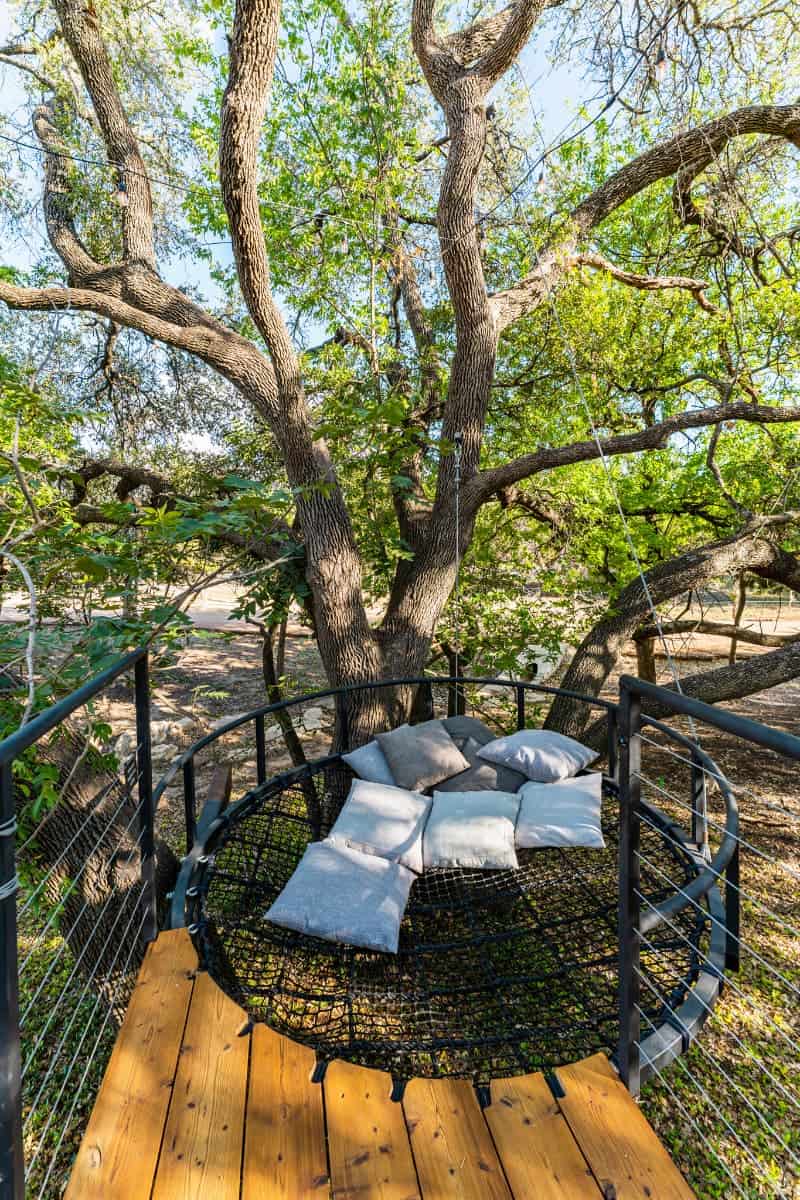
(189, 1108)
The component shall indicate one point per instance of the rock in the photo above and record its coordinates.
(224, 720)
(327, 702)
(184, 723)
(313, 712)
(160, 730)
(164, 751)
(272, 733)
(124, 746)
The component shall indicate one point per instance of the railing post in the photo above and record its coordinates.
(261, 749)
(699, 803)
(629, 881)
(732, 913)
(190, 803)
(12, 1163)
(520, 706)
(613, 735)
(146, 813)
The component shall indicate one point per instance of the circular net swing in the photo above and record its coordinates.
(498, 972)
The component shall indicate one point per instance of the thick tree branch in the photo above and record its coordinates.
(649, 283)
(82, 33)
(697, 147)
(654, 437)
(753, 637)
(753, 547)
(57, 203)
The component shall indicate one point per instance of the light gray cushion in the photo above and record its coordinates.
(540, 754)
(342, 895)
(481, 776)
(369, 762)
(566, 813)
(387, 821)
(471, 829)
(462, 727)
(420, 756)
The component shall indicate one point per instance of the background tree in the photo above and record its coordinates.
(400, 279)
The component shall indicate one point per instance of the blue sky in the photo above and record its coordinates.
(558, 91)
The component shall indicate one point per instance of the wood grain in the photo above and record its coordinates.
(540, 1156)
(119, 1152)
(202, 1149)
(453, 1149)
(620, 1146)
(284, 1154)
(369, 1151)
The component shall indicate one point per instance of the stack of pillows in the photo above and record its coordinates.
(490, 797)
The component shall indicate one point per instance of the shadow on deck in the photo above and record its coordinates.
(189, 1108)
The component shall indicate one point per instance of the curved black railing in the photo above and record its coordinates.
(640, 1052)
(708, 877)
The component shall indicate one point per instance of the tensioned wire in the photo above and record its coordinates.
(729, 983)
(704, 1092)
(793, 1100)
(721, 924)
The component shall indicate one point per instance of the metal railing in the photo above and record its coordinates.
(713, 840)
(65, 993)
(738, 1093)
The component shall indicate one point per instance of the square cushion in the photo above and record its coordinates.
(387, 821)
(461, 727)
(369, 762)
(566, 813)
(471, 829)
(539, 754)
(481, 776)
(342, 895)
(420, 756)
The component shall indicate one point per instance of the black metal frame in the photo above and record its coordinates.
(12, 1167)
(625, 722)
(724, 950)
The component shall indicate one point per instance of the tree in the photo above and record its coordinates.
(431, 370)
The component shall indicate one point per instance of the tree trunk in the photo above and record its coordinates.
(738, 610)
(92, 834)
(646, 659)
(597, 655)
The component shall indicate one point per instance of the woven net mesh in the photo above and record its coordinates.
(498, 972)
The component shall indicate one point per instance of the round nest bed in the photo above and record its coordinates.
(498, 972)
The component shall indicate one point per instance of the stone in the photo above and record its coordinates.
(224, 720)
(185, 723)
(124, 745)
(160, 730)
(164, 751)
(313, 712)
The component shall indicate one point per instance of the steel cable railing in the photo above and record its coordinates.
(739, 1079)
(72, 933)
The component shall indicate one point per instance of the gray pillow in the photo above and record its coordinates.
(481, 776)
(540, 754)
(342, 895)
(566, 813)
(369, 762)
(462, 727)
(471, 829)
(420, 756)
(387, 821)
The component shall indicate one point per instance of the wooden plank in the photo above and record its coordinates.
(284, 1154)
(120, 1148)
(620, 1145)
(370, 1156)
(453, 1150)
(201, 1154)
(539, 1154)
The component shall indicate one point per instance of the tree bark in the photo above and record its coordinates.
(597, 655)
